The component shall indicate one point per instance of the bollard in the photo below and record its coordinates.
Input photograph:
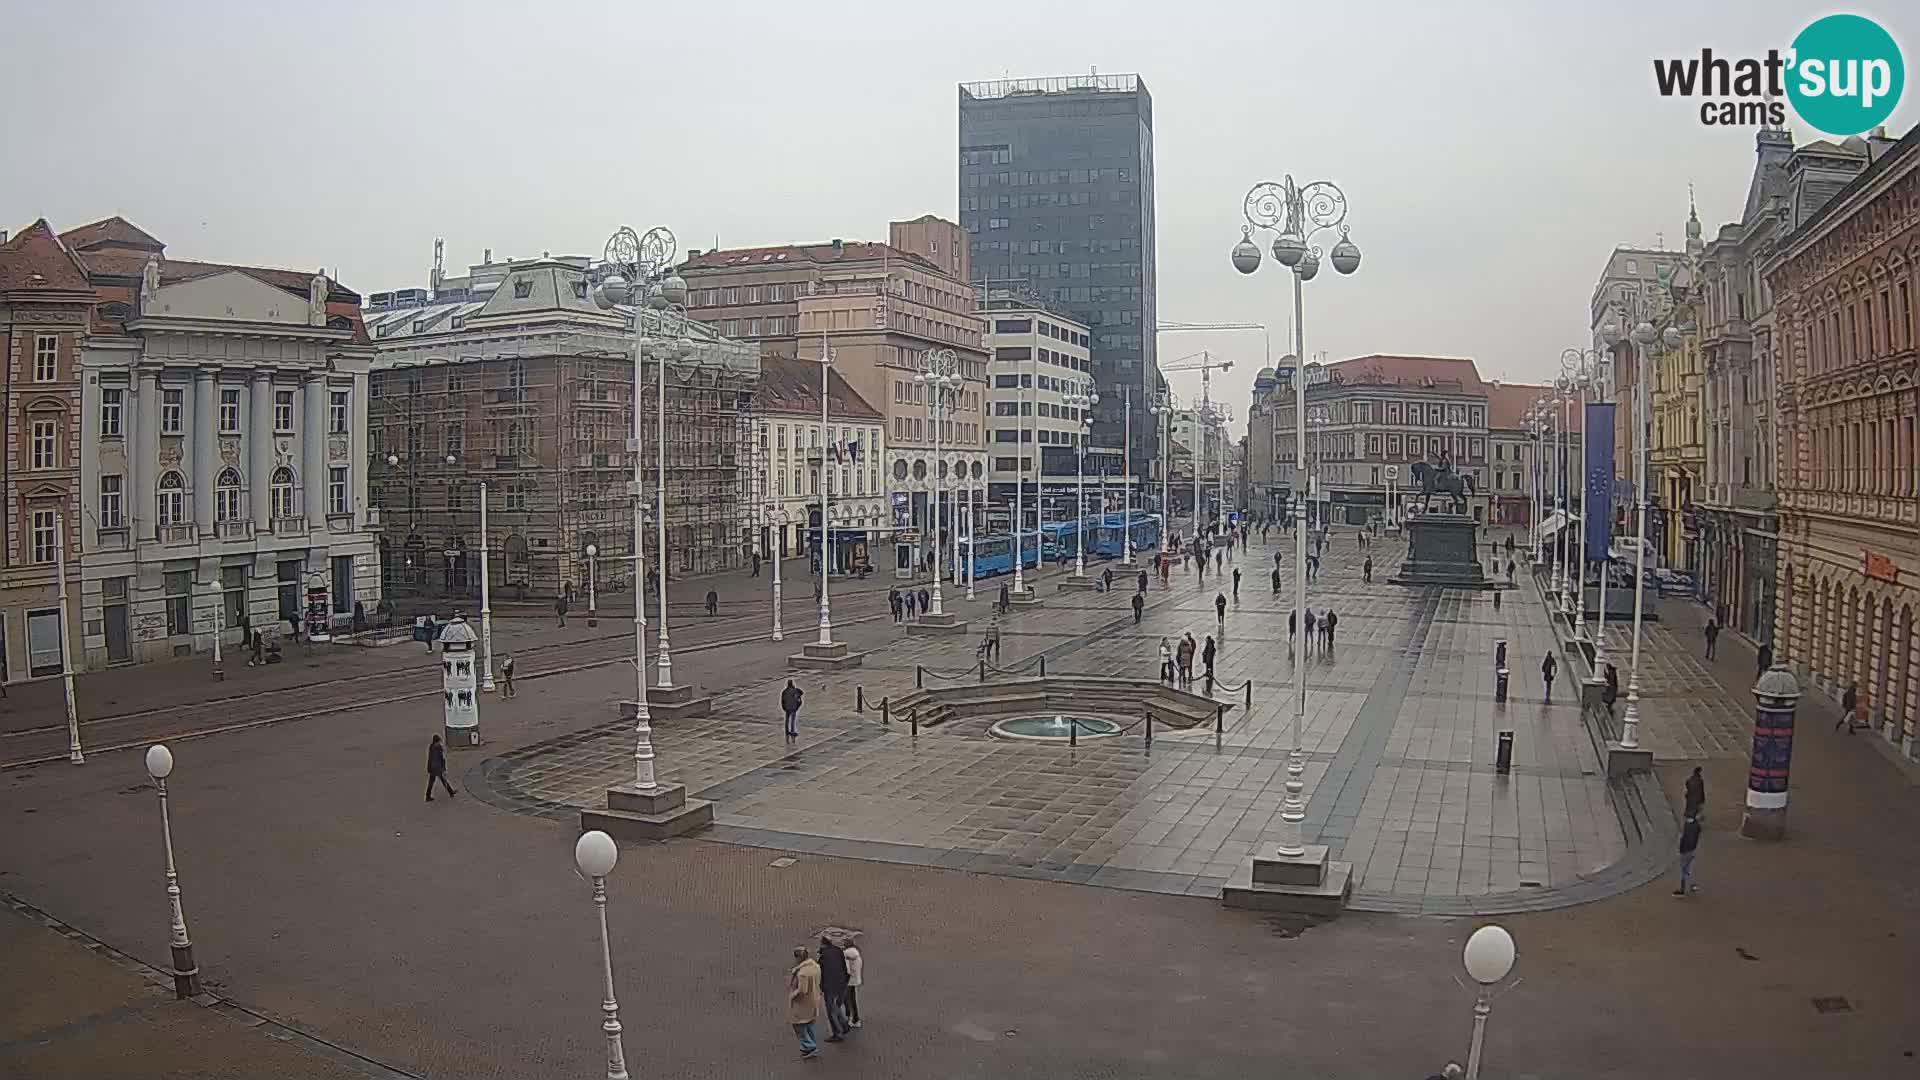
(983, 669)
(919, 677)
(1500, 654)
(884, 717)
(1503, 757)
(913, 718)
(1073, 732)
(1219, 719)
(1149, 715)
(1249, 693)
(859, 699)
(1043, 665)
(1500, 686)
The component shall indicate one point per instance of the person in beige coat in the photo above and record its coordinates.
(803, 1000)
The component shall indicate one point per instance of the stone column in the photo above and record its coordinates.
(144, 466)
(313, 449)
(1776, 695)
(204, 426)
(260, 449)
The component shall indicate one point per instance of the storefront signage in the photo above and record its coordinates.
(1878, 566)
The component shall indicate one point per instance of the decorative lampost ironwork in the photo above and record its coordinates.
(1082, 402)
(939, 372)
(1296, 215)
(186, 973)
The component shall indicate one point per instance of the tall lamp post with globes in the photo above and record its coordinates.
(1296, 215)
(593, 608)
(1081, 401)
(1582, 366)
(219, 606)
(186, 974)
(1642, 336)
(776, 544)
(595, 854)
(940, 374)
(1162, 410)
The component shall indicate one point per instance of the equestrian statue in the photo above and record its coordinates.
(1440, 479)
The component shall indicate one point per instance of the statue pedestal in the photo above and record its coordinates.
(1442, 550)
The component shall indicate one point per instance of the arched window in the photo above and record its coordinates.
(173, 498)
(281, 490)
(226, 496)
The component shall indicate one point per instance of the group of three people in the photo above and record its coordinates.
(829, 986)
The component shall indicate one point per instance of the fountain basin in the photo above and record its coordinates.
(1053, 728)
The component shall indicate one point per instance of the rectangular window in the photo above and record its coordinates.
(343, 581)
(172, 406)
(44, 536)
(45, 444)
(456, 439)
(46, 358)
(110, 405)
(111, 508)
(338, 412)
(179, 591)
(283, 411)
(337, 491)
(229, 412)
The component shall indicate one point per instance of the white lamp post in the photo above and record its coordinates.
(940, 374)
(186, 974)
(1643, 335)
(595, 854)
(774, 551)
(1081, 401)
(74, 755)
(593, 610)
(486, 602)
(1582, 366)
(1163, 409)
(826, 610)
(1489, 957)
(1296, 214)
(219, 604)
(968, 568)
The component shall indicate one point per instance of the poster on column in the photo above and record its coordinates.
(1597, 505)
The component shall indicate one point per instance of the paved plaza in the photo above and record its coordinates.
(1400, 733)
(367, 934)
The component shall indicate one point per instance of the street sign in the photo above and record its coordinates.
(1393, 472)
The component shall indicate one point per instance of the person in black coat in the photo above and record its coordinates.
(1220, 606)
(833, 987)
(1696, 793)
(1547, 667)
(1006, 598)
(1206, 657)
(437, 768)
(1139, 605)
(1612, 693)
(1849, 702)
(790, 705)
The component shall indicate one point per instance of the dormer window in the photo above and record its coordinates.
(522, 288)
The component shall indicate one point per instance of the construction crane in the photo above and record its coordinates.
(1206, 415)
(1187, 327)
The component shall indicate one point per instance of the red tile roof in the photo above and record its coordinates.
(113, 232)
(793, 386)
(1508, 402)
(34, 258)
(849, 251)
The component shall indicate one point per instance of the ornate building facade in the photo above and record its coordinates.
(1845, 290)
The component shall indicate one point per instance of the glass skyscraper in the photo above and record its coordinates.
(1056, 195)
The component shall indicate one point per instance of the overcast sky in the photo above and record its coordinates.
(1491, 153)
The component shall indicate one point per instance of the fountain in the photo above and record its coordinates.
(1056, 728)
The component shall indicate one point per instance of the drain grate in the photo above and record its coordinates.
(1832, 1005)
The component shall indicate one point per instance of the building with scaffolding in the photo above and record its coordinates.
(513, 378)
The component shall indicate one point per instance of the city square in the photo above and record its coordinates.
(1015, 546)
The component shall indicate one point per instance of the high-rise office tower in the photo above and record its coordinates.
(1056, 196)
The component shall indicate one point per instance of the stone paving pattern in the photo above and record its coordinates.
(1400, 731)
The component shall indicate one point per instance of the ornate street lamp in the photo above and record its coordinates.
(1296, 215)
(186, 973)
(939, 372)
(595, 854)
(1082, 402)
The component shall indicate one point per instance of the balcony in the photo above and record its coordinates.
(235, 530)
(291, 528)
(184, 533)
(111, 538)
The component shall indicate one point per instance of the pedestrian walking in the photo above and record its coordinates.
(437, 768)
(1332, 621)
(893, 602)
(259, 644)
(922, 602)
(1219, 557)
(569, 593)
(1689, 847)
(1313, 629)
(1547, 667)
(560, 609)
(1611, 693)
(1220, 606)
(1293, 617)
(1185, 657)
(756, 564)
(833, 987)
(1236, 583)
(804, 1002)
(1510, 570)
(1713, 635)
(1006, 599)
(790, 706)
(1849, 701)
(713, 603)
(856, 973)
(1141, 581)
(1696, 793)
(1765, 659)
(1366, 571)
(1166, 662)
(1509, 552)
(1106, 576)
(993, 639)
(1206, 659)
(506, 678)
(1276, 581)
(1139, 605)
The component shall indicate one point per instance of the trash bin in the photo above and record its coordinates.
(1500, 655)
(1500, 686)
(1503, 759)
